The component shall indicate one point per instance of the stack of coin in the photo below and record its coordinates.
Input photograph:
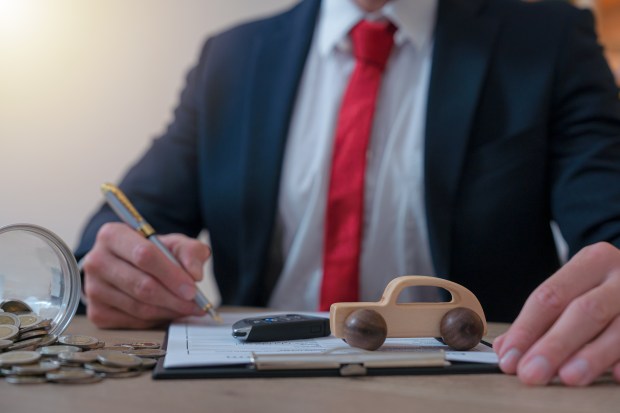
(25, 329)
(28, 354)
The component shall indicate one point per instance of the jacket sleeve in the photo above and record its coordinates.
(585, 140)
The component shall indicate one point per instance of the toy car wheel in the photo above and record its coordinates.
(461, 328)
(365, 329)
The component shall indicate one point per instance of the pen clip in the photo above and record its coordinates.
(125, 209)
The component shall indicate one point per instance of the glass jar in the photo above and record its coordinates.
(38, 268)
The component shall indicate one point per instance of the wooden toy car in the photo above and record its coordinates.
(459, 322)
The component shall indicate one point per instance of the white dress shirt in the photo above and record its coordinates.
(395, 239)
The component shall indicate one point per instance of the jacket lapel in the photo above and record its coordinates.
(463, 43)
(279, 57)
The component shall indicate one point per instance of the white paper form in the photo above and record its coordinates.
(199, 341)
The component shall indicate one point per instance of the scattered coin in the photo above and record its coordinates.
(69, 376)
(79, 341)
(117, 359)
(140, 345)
(118, 347)
(148, 363)
(56, 350)
(76, 360)
(123, 374)
(99, 345)
(26, 379)
(101, 368)
(18, 357)
(78, 357)
(36, 369)
(96, 378)
(147, 352)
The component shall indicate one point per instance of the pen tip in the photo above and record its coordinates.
(215, 315)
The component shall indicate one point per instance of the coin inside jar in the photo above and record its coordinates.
(5, 344)
(42, 325)
(7, 332)
(31, 342)
(48, 340)
(9, 319)
(15, 306)
(28, 320)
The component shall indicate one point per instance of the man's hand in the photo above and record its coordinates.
(129, 283)
(570, 325)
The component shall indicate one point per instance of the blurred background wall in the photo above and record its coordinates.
(86, 84)
(84, 87)
(607, 13)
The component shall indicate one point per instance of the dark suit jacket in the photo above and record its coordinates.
(523, 127)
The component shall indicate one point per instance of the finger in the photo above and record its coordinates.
(551, 298)
(100, 291)
(191, 253)
(616, 372)
(130, 246)
(584, 319)
(135, 284)
(498, 342)
(594, 359)
(104, 316)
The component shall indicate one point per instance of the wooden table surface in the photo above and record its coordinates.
(389, 394)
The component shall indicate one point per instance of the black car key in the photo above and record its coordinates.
(281, 327)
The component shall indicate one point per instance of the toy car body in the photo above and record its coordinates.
(416, 319)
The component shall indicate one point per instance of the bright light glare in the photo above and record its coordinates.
(14, 14)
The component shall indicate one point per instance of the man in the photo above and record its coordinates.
(489, 123)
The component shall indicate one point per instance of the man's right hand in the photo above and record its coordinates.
(129, 283)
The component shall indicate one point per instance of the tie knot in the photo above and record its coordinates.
(373, 41)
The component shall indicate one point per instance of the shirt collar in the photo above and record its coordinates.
(415, 20)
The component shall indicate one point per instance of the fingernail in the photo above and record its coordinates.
(576, 372)
(187, 291)
(536, 371)
(199, 311)
(508, 362)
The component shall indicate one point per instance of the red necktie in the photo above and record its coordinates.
(372, 43)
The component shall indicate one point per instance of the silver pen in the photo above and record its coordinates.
(130, 215)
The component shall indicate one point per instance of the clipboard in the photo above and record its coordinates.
(201, 349)
(345, 368)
